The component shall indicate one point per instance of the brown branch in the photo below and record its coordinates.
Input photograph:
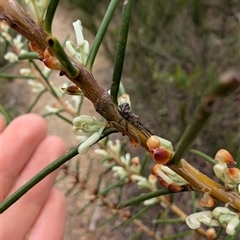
(16, 18)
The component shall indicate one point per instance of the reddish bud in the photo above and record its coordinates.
(153, 142)
(234, 174)
(133, 142)
(156, 168)
(72, 89)
(223, 156)
(174, 187)
(52, 63)
(135, 161)
(161, 155)
(211, 234)
(126, 215)
(36, 49)
(207, 201)
(163, 183)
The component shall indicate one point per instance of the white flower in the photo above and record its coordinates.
(52, 109)
(227, 218)
(11, 57)
(194, 220)
(17, 41)
(6, 37)
(174, 176)
(230, 176)
(119, 172)
(88, 128)
(219, 216)
(150, 201)
(25, 71)
(167, 175)
(114, 146)
(4, 27)
(142, 182)
(126, 159)
(36, 87)
(38, 7)
(81, 50)
(102, 152)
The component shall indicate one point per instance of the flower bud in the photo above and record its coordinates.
(124, 99)
(72, 90)
(52, 63)
(211, 234)
(133, 142)
(153, 142)
(161, 155)
(174, 187)
(207, 201)
(223, 156)
(163, 183)
(234, 174)
(135, 161)
(36, 49)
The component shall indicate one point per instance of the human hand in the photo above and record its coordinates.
(25, 150)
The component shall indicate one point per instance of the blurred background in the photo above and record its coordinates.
(176, 49)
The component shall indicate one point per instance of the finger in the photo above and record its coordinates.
(17, 220)
(2, 123)
(18, 142)
(51, 220)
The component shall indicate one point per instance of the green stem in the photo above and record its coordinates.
(45, 78)
(238, 158)
(35, 101)
(179, 235)
(101, 32)
(137, 215)
(7, 76)
(62, 57)
(225, 85)
(5, 114)
(115, 185)
(167, 221)
(37, 178)
(47, 26)
(5, 67)
(64, 118)
(28, 56)
(120, 51)
(204, 156)
(143, 197)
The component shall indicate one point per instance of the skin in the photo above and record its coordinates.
(25, 149)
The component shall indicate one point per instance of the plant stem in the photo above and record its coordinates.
(121, 47)
(5, 114)
(49, 16)
(101, 32)
(143, 197)
(62, 57)
(238, 158)
(171, 220)
(226, 84)
(36, 100)
(204, 156)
